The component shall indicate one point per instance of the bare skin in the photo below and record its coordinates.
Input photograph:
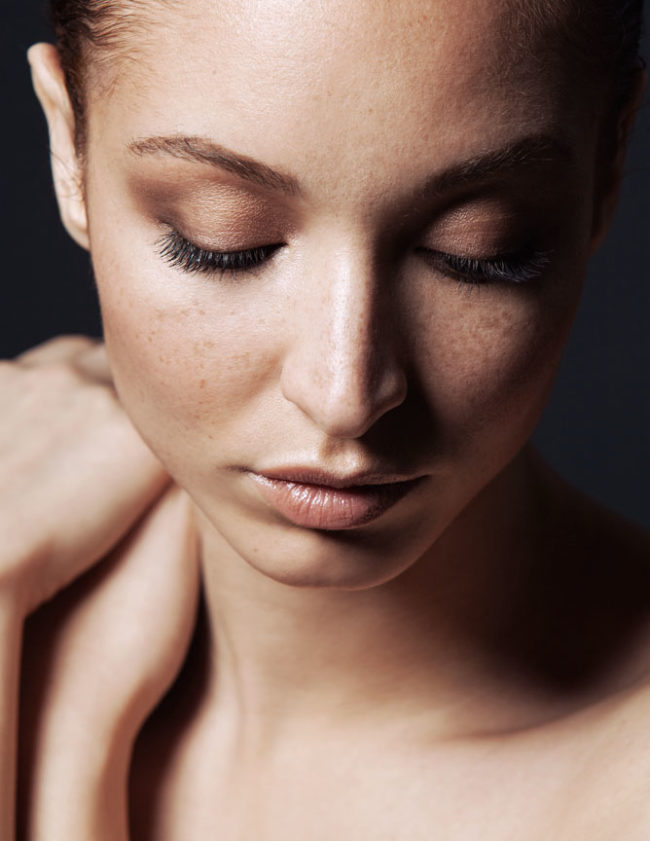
(67, 446)
(474, 662)
(547, 740)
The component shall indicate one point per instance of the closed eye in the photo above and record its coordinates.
(185, 255)
(520, 267)
(514, 268)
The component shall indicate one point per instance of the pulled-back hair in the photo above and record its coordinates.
(97, 28)
(604, 35)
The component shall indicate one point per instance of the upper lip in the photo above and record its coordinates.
(317, 476)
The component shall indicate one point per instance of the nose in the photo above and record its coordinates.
(342, 366)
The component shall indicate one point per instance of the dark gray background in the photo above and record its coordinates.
(596, 430)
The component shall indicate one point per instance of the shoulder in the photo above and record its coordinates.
(613, 796)
(600, 564)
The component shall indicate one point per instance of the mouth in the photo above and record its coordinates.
(318, 500)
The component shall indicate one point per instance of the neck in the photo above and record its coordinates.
(420, 643)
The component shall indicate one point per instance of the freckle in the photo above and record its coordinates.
(208, 344)
(202, 384)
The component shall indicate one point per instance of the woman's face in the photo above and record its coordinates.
(417, 177)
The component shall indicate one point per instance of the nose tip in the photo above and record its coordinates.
(353, 413)
(345, 393)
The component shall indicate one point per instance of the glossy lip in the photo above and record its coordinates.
(315, 499)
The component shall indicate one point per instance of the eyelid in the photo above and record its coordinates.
(520, 268)
(219, 237)
(182, 253)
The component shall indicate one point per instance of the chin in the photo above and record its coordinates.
(352, 559)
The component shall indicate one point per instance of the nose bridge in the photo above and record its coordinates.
(352, 329)
(342, 369)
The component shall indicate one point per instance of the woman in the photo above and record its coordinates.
(338, 250)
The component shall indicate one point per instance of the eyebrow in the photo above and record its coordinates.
(533, 151)
(528, 152)
(201, 150)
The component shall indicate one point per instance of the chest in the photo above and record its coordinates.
(345, 793)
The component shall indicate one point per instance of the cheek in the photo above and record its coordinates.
(488, 365)
(181, 366)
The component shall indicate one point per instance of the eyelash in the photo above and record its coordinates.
(182, 254)
(516, 268)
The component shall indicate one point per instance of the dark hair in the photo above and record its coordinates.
(604, 33)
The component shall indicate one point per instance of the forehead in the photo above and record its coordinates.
(312, 84)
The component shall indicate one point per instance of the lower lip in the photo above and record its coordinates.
(327, 508)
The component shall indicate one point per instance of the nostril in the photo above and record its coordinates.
(343, 401)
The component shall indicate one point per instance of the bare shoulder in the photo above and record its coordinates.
(597, 567)
(613, 796)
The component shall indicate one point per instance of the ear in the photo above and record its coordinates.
(609, 184)
(49, 84)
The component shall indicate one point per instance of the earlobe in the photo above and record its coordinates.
(610, 186)
(49, 85)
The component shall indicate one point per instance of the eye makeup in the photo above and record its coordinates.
(183, 254)
(515, 267)
(519, 267)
